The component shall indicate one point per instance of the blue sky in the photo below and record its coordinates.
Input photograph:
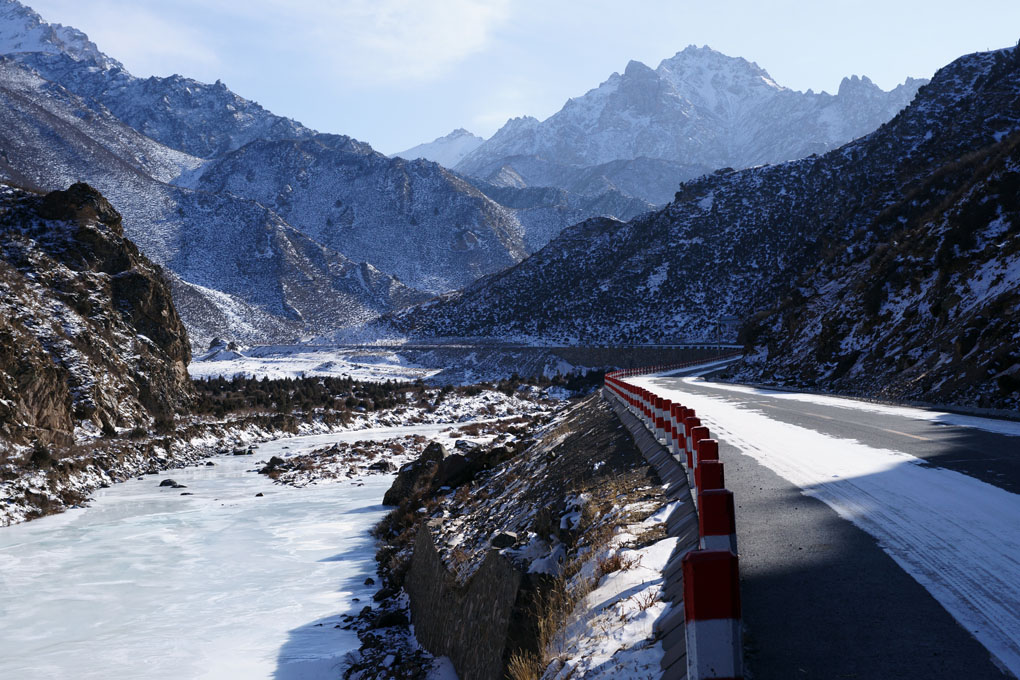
(395, 73)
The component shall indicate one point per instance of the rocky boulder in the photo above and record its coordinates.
(453, 470)
(415, 473)
(274, 463)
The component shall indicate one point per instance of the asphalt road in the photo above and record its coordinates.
(825, 597)
(991, 457)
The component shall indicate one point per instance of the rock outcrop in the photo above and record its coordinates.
(417, 472)
(92, 343)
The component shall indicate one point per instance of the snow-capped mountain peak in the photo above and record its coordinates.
(447, 150)
(700, 73)
(23, 30)
(697, 111)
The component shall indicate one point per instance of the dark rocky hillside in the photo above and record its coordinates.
(546, 211)
(925, 306)
(736, 243)
(91, 341)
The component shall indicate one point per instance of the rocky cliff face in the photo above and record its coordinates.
(91, 340)
(699, 110)
(923, 306)
(737, 243)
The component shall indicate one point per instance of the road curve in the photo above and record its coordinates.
(875, 541)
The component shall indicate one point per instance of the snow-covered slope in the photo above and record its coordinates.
(447, 151)
(699, 109)
(413, 219)
(734, 243)
(201, 119)
(51, 138)
(196, 118)
(24, 31)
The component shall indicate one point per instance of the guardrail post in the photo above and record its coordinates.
(657, 418)
(717, 522)
(709, 476)
(698, 433)
(695, 433)
(712, 612)
(690, 422)
(674, 418)
(667, 422)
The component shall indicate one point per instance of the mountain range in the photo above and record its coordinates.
(888, 263)
(71, 113)
(258, 219)
(697, 111)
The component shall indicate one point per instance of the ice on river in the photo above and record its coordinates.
(220, 584)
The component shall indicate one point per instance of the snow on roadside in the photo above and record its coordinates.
(957, 536)
(611, 633)
(1006, 427)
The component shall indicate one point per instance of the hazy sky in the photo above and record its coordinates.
(396, 73)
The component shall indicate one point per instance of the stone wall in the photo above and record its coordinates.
(472, 623)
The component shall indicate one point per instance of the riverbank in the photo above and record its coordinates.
(44, 481)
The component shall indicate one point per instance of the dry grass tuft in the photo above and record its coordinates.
(524, 666)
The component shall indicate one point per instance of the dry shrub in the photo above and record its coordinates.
(647, 599)
(652, 535)
(524, 666)
(612, 563)
(472, 430)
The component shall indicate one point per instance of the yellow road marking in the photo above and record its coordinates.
(912, 436)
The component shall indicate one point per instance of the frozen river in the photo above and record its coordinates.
(147, 583)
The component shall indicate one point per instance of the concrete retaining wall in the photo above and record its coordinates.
(476, 624)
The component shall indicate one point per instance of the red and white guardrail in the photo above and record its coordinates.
(711, 580)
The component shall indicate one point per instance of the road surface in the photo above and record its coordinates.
(875, 541)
